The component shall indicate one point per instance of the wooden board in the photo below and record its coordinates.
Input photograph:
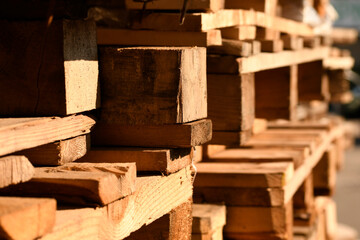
(26, 218)
(276, 93)
(176, 135)
(58, 153)
(124, 216)
(209, 5)
(108, 36)
(173, 84)
(207, 218)
(259, 220)
(272, 45)
(311, 85)
(231, 101)
(232, 47)
(164, 160)
(58, 68)
(292, 42)
(264, 61)
(324, 124)
(239, 33)
(243, 174)
(232, 139)
(266, 6)
(15, 169)
(344, 63)
(258, 155)
(22, 133)
(344, 35)
(174, 225)
(80, 183)
(267, 34)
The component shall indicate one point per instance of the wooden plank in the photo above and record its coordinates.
(124, 216)
(276, 93)
(292, 42)
(80, 183)
(174, 225)
(174, 90)
(232, 47)
(266, 6)
(344, 63)
(239, 32)
(58, 153)
(311, 84)
(210, 5)
(52, 80)
(324, 124)
(267, 34)
(231, 101)
(26, 218)
(272, 45)
(258, 155)
(259, 220)
(177, 135)
(344, 35)
(234, 139)
(273, 143)
(22, 133)
(164, 160)
(15, 169)
(207, 218)
(108, 36)
(243, 174)
(264, 61)
(325, 173)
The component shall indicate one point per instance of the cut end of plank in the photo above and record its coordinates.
(15, 169)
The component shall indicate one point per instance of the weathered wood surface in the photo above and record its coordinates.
(152, 85)
(15, 169)
(58, 153)
(177, 135)
(26, 218)
(55, 72)
(80, 183)
(17, 134)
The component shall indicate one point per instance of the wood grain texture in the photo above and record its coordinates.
(23, 133)
(276, 93)
(172, 80)
(177, 135)
(80, 183)
(232, 47)
(166, 161)
(58, 153)
(58, 68)
(108, 36)
(231, 101)
(26, 218)
(243, 174)
(122, 217)
(208, 5)
(232, 139)
(15, 169)
(239, 33)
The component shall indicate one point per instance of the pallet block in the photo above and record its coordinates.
(166, 161)
(26, 218)
(311, 84)
(232, 47)
(174, 225)
(58, 153)
(292, 42)
(15, 169)
(208, 221)
(272, 45)
(276, 93)
(59, 68)
(231, 101)
(166, 136)
(312, 42)
(267, 34)
(259, 125)
(239, 33)
(17, 134)
(127, 37)
(79, 183)
(172, 80)
(209, 5)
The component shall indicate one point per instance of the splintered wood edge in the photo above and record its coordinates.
(15, 169)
